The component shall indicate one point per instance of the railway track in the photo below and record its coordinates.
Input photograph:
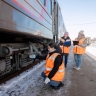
(18, 72)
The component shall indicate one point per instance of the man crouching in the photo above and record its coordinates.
(54, 70)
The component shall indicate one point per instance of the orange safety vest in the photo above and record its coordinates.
(78, 49)
(65, 49)
(49, 66)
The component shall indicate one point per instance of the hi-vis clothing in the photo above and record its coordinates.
(49, 66)
(78, 49)
(65, 49)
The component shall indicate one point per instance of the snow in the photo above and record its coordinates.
(93, 44)
(91, 50)
(30, 83)
(20, 83)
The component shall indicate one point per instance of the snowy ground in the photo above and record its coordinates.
(30, 83)
(91, 51)
(93, 44)
(18, 85)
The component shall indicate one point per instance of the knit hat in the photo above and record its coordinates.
(66, 33)
(81, 32)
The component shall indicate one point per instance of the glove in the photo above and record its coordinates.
(76, 45)
(47, 80)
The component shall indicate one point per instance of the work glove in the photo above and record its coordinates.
(47, 80)
(76, 45)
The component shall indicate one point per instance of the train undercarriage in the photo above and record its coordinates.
(18, 51)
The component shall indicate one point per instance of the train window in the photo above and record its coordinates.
(49, 6)
(43, 2)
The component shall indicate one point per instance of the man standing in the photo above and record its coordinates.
(65, 44)
(79, 49)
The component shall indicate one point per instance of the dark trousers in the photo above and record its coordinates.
(65, 56)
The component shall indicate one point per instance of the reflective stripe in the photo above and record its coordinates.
(61, 70)
(77, 46)
(68, 40)
(47, 55)
(53, 57)
(49, 69)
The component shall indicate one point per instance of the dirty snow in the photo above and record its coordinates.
(30, 83)
(19, 84)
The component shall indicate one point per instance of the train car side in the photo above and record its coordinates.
(26, 28)
(28, 17)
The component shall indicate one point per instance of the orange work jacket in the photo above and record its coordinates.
(65, 49)
(78, 49)
(49, 66)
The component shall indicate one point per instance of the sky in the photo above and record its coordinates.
(79, 15)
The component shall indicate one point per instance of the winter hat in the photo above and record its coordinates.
(81, 32)
(66, 33)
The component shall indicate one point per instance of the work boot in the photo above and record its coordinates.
(55, 87)
(74, 67)
(61, 84)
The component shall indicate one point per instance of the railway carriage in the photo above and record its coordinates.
(26, 28)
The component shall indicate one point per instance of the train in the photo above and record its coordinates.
(26, 28)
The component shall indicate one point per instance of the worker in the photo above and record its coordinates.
(55, 71)
(65, 43)
(79, 49)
